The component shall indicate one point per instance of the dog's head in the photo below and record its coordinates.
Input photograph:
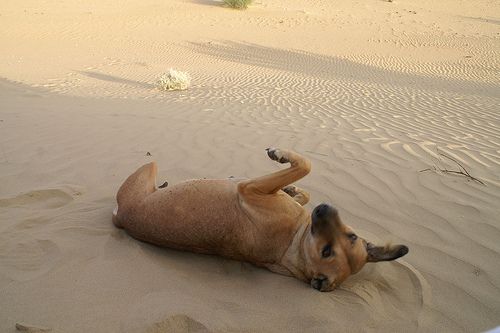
(333, 251)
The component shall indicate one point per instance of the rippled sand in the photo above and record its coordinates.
(374, 93)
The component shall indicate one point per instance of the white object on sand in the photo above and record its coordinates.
(174, 80)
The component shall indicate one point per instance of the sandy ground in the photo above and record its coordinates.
(370, 91)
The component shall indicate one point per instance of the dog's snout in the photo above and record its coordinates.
(319, 282)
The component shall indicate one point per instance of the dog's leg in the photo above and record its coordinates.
(298, 194)
(135, 189)
(272, 183)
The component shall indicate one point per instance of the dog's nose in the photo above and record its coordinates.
(317, 283)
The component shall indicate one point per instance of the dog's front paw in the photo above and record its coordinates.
(277, 155)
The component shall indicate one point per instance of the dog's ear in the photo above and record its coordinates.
(385, 253)
(324, 221)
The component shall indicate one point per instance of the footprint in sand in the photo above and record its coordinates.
(47, 198)
(23, 260)
(178, 324)
(23, 254)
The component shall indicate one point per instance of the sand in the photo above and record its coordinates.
(372, 92)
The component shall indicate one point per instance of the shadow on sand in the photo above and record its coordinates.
(116, 79)
(327, 67)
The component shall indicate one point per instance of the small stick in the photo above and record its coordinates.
(462, 171)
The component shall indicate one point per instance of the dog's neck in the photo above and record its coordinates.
(294, 260)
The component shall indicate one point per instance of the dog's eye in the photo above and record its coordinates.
(327, 251)
(352, 237)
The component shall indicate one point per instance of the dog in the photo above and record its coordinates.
(261, 220)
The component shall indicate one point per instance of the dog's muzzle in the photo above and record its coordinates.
(319, 283)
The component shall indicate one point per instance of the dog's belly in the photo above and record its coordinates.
(202, 216)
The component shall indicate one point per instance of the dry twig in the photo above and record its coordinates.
(461, 169)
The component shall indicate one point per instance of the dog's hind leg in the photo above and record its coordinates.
(135, 189)
(299, 195)
(274, 182)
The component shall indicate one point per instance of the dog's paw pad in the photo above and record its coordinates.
(276, 155)
(291, 190)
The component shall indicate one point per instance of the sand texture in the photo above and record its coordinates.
(379, 95)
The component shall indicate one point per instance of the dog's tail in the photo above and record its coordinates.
(134, 190)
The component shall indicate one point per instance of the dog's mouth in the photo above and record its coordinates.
(320, 283)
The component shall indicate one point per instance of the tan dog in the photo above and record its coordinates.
(259, 220)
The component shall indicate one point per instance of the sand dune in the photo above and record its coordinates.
(371, 92)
